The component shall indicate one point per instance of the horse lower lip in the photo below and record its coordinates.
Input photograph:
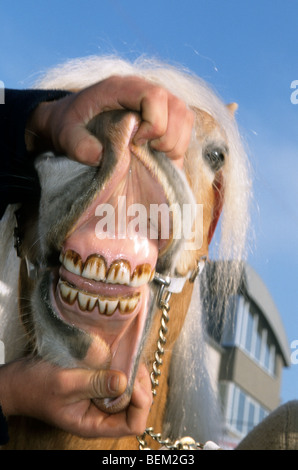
(113, 405)
(119, 335)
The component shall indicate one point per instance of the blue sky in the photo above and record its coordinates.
(247, 50)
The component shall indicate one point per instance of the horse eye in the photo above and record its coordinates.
(215, 158)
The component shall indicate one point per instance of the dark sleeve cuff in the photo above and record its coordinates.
(19, 104)
(17, 174)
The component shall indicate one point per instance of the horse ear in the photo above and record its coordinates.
(232, 107)
(218, 191)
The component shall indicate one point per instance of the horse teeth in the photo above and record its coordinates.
(141, 275)
(88, 302)
(95, 268)
(128, 305)
(73, 262)
(102, 305)
(83, 300)
(68, 293)
(91, 304)
(107, 307)
(119, 273)
(111, 306)
(123, 305)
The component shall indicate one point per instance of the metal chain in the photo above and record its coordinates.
(165, 307)
(185, 443)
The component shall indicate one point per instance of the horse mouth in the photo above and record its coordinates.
(104, 283)
(99, 292)
(102, 286)
(111, 304)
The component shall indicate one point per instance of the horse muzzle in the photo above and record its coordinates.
(111, 228)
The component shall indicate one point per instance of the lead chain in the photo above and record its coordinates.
(185, 443)
(165, 307)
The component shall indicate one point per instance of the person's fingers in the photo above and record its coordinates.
(153, 102)
(69, 401)
(132, 421)
(83, 384)
(166, 121)
(176, 140)
(107, 384)
(155, 113)
(141, 401)
(63, 397)
(81, 146)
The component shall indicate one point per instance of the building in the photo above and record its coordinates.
(248, 352)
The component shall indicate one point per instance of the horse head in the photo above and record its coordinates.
(101, 245)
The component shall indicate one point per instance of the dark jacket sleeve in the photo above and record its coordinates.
(18, 179)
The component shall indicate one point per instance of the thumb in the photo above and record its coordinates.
(105, 384)
(83, 146)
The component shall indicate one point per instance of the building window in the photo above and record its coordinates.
(249, 332)
(242, 412)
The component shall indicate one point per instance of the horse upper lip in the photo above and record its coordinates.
(95, 268)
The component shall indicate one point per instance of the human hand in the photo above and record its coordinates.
(63, 398)
(166, 121)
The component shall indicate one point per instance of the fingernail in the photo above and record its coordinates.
(113, 383)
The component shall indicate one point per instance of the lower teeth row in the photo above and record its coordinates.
(106, 306)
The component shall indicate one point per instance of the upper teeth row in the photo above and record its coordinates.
(95, 268)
